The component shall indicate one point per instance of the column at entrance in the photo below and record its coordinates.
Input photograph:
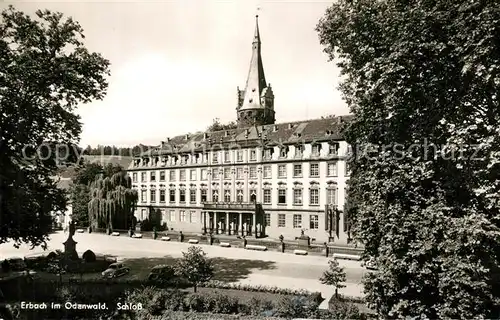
(216, 220)
(241, 224)
(204, 217)
(254, 221)
(228, 228)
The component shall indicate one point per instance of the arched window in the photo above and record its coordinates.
(253, 196)
(239, 196)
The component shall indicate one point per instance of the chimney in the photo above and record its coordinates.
(187, 136)
(168, 140)
(205, 136)
(163, 144)
(275, 128)
(290, 126)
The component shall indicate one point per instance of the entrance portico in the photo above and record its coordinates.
(233, 219)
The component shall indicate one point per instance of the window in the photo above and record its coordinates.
(164, 217)
(267, 196)
(314, 170)
(332, 169)
(267, 218)
(268, 153)
(182, 216)
(134, 177)
(253, 195)
(143, 196)
(192, 175)
(267, 172)
(281, 220)
(282, 196)
(152, 195)
(172, 175)
(239, 196)
(253, 155)
(314, 197)
(203, 195)
(313, 221)
(332, 149)
(215, 174)
(162, 175)
(215, 196)
(182, 175)
(162, 195)
(204, 174)
(253, 173)
(227, 173)
(282, 171)
(331, 196)
(226, 156)
(239, 173)
(299, 151)
(239, 155)
(152, 176)
(172, 215)
(192, 216)
(192, 195)
(182, 195)
(297, 221)
(215, 157)
(297, 196)
(316, 148)
(172, 195)
(143, 177)
(297, 170)
(283, 152)
(227, 196)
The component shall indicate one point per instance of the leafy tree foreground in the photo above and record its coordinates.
(45, 73)
(422, 79)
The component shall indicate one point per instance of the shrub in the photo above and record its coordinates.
(224, 304)
(158, 303)
(89, 256)
(175, 301)
(290, 307)
(343, 310)
(195, 302)
(257, 306)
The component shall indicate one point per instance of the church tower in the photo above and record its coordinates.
(256, 101)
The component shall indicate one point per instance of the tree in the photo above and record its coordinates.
(194, 266)
(80, 191)
(218, 126)
(112, 202)
(46, 72)
(422, 79)
(335, 276)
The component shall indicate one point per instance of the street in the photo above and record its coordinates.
(288, 271)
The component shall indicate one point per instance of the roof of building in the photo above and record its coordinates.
(290, 133)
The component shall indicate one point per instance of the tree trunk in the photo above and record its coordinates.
(336, 293)
(194, 288)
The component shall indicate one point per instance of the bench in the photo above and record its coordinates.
(225, 244)
(115, 234)
(255, 247)
(137, 235)
(300, 252)
(165, 239)
(195, 241)
(346, 256)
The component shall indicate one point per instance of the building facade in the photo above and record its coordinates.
(260, 179)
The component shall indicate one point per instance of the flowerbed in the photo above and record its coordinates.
(246, 287)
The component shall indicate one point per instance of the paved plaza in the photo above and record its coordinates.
(289, 271)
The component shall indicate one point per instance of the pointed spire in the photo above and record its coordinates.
(256, 80)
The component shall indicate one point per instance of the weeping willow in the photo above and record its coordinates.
(112, 202)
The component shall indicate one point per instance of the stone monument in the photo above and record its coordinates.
(70, 244)
(304, 241)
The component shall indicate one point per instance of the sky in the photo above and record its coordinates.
(175, 65)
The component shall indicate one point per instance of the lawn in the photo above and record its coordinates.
(227, 270)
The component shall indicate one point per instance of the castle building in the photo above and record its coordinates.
(260, 179)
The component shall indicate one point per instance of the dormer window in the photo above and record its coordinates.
(268, 153)
(316, 149)
(333, 149)
(283, 152)
(215, 158)
(299, 149)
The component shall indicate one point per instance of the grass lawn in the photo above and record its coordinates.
(227, 270)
